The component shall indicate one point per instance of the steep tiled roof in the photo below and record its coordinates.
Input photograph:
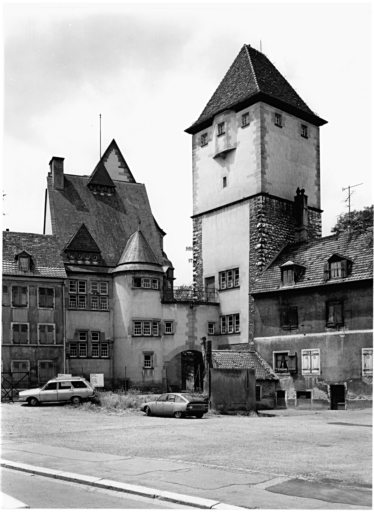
(313, 255)
(228, 359)
(82, 241)
(109, 219)
(100, 176)
(45, 252)
(116, 164)
(252, 75)
(137, 250)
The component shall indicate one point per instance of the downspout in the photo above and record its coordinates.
(64, 324)
(45, 211)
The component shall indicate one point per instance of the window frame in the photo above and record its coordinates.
(151, 327)
(370, 371)
(12, 324)
(230, 324)
(211, 328)
(149, 366)
(168, 330)
(53, 297)
(95, 349)
(204, 139)
(75, 345)
(304, 131)
(27, 296)
(102, 351)
(229, 279)
(224, 182)
(221, 129)
(335, 324)
(275, 368)
(245, 119)
(46, 324)
(304, 352)
(278, 119)
(289, 312)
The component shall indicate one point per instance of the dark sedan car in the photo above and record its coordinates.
(178, 405)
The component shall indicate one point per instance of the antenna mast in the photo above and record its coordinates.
(349, 201)
(100, 136)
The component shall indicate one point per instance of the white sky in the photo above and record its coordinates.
(150, 69)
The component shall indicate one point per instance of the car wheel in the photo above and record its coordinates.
(33, 401)
(76, 400)
(199, 415)
(148, 411)
(178, 414)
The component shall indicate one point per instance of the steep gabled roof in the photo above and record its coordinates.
(252, 78)
(100, 176)
(313, 255)
(229, 359)
(116, 164)
(82, 241)
(138, 250)
(44, 250)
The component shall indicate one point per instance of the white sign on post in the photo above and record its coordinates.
(97, 380)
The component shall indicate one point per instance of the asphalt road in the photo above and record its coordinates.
(327, 447)
(41, 492)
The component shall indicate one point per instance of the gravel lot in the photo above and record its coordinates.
(330, 446)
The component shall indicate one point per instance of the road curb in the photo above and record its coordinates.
(113, 485)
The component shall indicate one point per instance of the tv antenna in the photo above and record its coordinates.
(349, 201)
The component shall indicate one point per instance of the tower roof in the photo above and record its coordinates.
(100, 176)
(138, 253)
(250, 79)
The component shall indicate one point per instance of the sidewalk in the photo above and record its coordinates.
(195, 485)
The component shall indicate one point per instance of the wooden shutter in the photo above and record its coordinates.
(315, 362)
(294, 317)
(16, 334)
(286, 317)
(326, 271)
(344, 267)
(42, 297)
(23, 296)
(49, 297)
(15, 295)
(338, 313)
(42, 334)
(24, 333)
(292, 363)
(306, 361)
(50, 334)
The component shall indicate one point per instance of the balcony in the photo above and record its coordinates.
(192, 295)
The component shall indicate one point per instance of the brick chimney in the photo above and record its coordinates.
(301, 215)
(57, 170)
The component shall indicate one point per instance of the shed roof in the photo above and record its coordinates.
(229, 359)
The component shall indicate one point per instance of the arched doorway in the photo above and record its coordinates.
(184, 369)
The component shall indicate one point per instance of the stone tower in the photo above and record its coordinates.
(255, 143)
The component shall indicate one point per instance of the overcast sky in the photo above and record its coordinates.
(150, 69)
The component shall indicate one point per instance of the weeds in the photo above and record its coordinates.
(117, 401)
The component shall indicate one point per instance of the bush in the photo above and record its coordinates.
(119, 400)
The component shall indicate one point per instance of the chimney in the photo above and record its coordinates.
(57, 170)
(301, 215)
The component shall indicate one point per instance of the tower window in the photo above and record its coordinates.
(224, 182)
(245, 119)
(278, 120)
(304, 131)
(221, 129)
(204, 139)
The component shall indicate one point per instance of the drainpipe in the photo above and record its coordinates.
(64, 324)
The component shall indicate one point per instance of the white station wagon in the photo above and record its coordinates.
(64, 389)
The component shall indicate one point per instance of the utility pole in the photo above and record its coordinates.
(349, 201)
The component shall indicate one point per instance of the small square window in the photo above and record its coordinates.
(82, 336)
(367, 361)
(94, 302)
(137, 282)
(211, 327)
(137, 328)
(281, 362)
(155, 284)
(46, 296)
(73, 349)
(104, 351)
(104, 288)
(82, 287)
(73, 302)
(304, 131)
(278, 120)
(334, 314)
(72, 286)
(82, 302)
(290, 317)
(221, 129)
(104, 302)
(146, 282)
(24, 263)
(82, 349)
(224, 182)
(204, 139)
(147, 328)
(94, 287)
(168, 327)
(19, 296)
(148, 360)
(95, 350)
(95, 336)
(155, 329)
(245, 119)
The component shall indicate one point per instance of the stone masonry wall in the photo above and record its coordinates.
(272, 226)
(197, 252)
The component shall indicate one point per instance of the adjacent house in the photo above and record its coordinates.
(33, 314)
(313, 321)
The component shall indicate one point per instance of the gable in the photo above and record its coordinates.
(116, 165)
(82, 241)
(100, 177)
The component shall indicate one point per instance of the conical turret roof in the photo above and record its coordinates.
(252, 78)
(138, 255)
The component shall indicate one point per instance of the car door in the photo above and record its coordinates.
(169, 406)
(65, 391)
(49, 392)
(158, 408)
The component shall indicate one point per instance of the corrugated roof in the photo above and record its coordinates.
(252, 74)
(229, 359)
(44, 249)
(313, 255)
(109, 219)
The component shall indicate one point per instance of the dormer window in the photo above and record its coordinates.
(291, 272)
(24, 261)
(337, 267)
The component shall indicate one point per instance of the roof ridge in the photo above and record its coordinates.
(251, 64)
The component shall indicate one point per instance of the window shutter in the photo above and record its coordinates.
(306, 361)
(315, 361)
(42, 297)
(338, 308)
(24, 333)
(24, 295)
(292, 363)
(326, 271)
(285, 317)
(16, 331)
(343, 264)
(50, 333)
(15, 295)
(294, 317)
(49, 298)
